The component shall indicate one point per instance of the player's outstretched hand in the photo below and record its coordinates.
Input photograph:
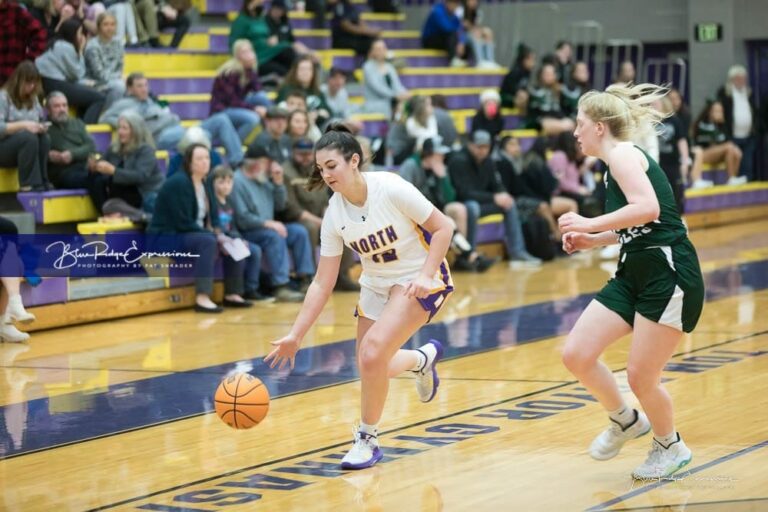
(573, 242)
(419, 287)
(573, 222)
(284, 352)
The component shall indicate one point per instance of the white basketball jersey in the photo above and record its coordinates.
(388, 237)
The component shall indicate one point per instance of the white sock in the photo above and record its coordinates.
(667, 440)
(15, 300)
(371, 430)
(425, 353)
(624, 415)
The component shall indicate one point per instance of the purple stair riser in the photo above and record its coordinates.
(725, 200)
(458, 80)
(303, 23)
(490, 233)
(160, 86)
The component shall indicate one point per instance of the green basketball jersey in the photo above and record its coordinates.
(668, 229)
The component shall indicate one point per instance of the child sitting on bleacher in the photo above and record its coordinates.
(240, 284)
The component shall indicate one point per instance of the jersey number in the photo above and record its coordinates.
(385, 256)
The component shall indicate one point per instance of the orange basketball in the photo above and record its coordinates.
(241, 401)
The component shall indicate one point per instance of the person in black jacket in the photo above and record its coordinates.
(184, 207)
(488, 116)
(478, 186)
(514, 87)
(509, 163)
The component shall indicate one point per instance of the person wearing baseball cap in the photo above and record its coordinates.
(258, 193)
(273, 137)
(477, 185)
(427, 172)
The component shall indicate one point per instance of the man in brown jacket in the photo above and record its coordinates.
(308, 207)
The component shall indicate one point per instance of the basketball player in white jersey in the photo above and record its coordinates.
(402, 240)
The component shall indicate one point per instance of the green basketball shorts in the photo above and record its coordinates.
(663, 284)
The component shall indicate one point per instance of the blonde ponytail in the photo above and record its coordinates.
(625, 109)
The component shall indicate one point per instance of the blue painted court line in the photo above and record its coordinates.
(682, 475)
(162, 399)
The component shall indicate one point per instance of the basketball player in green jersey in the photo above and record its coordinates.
(657, 292)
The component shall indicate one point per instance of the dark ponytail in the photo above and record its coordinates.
(337, 136)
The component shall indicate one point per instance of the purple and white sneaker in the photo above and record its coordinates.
(427, 380)
(364, 453)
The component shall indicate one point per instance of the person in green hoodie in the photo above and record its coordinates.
(273, 56)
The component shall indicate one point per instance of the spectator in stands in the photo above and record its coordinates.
(24, 143)
(428, 173)
(573, 88)
(154, 17)
(542, 182)
(674, 154)
(21, 37)
(186, 210)
(336, 95)
(488, 117)
(545, 112)
(71, 145)
(277, 20)
(562, 59)
(680, 108)
(446, 127)
(62, 68)
(259, 191)
(273, 56)
(237, 90)
(479, 37)
(569, 165)
(104, 59)
(303, 77)
(51, 14)
(509, 163)
(126, 28)
(473, 174)
(443, 31)
(308, 206)
(296, 101)
(193, 135)
(710, 133)
(514, 86)
(11, 306)
(741, 118)
(129, 170)
(348, 30)
(274, 138)
(399, 144)
(165, 126)
(298, 127)
(627, 73)
(246, 282)
(421, 124)
(383, 90)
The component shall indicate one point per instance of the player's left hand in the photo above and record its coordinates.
(574, 223)
(284, 352)
(419, 287)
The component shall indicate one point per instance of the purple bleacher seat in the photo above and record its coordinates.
(51, 290)
(306, 23)
(490, 233)
(728, 199)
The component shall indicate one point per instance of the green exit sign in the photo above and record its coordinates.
(708, 32)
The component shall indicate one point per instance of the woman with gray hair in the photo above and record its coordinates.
(129, 170)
